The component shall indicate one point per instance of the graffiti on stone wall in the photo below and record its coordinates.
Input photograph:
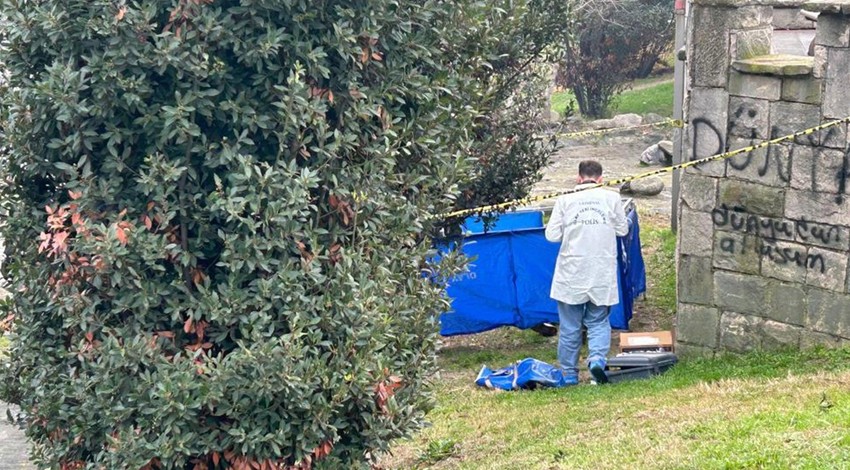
(737, 220)
(811, 232)
(771, 156)
(766, 232)
(783, 242)
(769, 250)
(842, 175)
(705, 132)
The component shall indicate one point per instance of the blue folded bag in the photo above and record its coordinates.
(525, 374)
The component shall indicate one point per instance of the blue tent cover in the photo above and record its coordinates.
(510, 275)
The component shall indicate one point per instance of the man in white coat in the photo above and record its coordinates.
(586, 224)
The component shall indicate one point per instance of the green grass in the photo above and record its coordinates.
(656, 99)
(659, 246)
(562, 99)
(778, 410)
(761, 410)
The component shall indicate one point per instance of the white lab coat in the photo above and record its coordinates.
(587, 224)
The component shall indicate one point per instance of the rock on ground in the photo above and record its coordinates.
(621, 120)
(651, 186)
(653, 155)
(652, 118)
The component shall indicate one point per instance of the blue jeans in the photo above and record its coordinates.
(595, 318)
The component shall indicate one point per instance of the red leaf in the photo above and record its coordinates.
(121, 12)
(89, 336)
(215, 458)
(187, 327)
(75, 194)
(45, 242)
(59, 245)
(121, 235)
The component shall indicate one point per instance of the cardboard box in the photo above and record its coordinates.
(646, 341)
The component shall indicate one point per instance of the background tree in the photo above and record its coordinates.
(218, 217)
(612, 43)
(510, 50)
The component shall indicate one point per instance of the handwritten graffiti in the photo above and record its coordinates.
(746, 121)
(826, 234)
(788, 255)
(780, 255)
(736, 219)
(773, 155)
(705, 133)
(841, 176)
(810, 139)
(831, 136)
(739, 221)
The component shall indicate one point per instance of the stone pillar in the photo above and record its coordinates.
(764, 241)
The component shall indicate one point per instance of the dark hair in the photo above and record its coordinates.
(589, 169)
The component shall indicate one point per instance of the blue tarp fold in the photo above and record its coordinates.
(525, 374)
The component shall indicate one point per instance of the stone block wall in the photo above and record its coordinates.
(764, 239)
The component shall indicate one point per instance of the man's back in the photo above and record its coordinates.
(587, 224)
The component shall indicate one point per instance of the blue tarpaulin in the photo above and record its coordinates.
(525, 374)
(511, 272)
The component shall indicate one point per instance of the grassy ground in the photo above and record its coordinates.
(777, 410)
(653, 98)
(658, 244)
(782, 410)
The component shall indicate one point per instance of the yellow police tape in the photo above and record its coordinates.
(668, 122)
(618, 181)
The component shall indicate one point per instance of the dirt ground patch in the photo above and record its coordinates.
(619, 155)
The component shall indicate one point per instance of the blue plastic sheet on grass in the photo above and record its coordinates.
(511, 273)
(525, 374)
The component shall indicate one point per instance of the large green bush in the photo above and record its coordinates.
(217, 217)
(215, 224)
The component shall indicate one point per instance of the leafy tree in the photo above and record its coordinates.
(509, 49)
(217, 216)
(612, 42)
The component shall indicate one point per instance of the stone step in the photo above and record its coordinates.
(776, 64)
